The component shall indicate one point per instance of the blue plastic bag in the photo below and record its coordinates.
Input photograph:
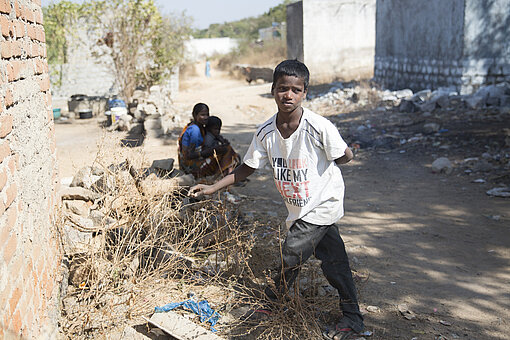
(202, 309)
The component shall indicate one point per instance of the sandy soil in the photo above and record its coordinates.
(424, 239)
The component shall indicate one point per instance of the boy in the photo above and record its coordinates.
(212, 137)
(304, 150)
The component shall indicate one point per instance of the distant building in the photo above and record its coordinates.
(277, 31)
(334, 38)
(442, 43)
(199, 49)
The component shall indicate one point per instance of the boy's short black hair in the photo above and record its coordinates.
(291, 67)
(212, 122)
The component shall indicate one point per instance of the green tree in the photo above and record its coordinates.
(142, 44)
(166, 49)
(247, 28)
(127, 26)
(59, 19)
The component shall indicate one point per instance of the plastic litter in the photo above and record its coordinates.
(366, 333)
(499, 192)
(202, 309)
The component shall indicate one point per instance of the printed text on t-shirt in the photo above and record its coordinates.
(291, 179)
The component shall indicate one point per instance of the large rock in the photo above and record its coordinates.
(442, 164)
(431, 128)
(408, 106)
(163, 164)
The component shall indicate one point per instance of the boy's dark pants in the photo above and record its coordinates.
(305, 239)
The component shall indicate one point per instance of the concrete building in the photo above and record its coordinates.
(200, 49)
(442, 43)
(334, 38)
(30, 255)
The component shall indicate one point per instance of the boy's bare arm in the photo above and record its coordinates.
(345, 158)
(240, 173)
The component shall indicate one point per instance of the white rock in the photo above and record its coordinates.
(442, 164)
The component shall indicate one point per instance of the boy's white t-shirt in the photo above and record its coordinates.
(303, 166)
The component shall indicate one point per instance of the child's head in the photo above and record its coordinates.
(200, 113)
(213, 125)
(291, 68)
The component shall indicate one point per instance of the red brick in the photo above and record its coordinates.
(3, 181)
(11, 192)
(6, 49)
(16, 323)
(31, 32)
(10, 222)
(48, 101)
(10, 248)
(5, 6)
(5, 150)
(19, 27)
(9, 99)
(6, 25)
(38, 16)
(19, 9)
(15, 297)
(13, 162)
(44, 84)
(15, 268)
(16, 48)
(13, 70)
(5, 126)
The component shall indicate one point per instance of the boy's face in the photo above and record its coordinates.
(214, 130)
(289, 92)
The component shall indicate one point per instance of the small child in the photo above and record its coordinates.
(304, 151)
(212, 137)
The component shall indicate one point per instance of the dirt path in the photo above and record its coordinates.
(424, 239)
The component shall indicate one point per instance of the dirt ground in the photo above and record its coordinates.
(422, 239)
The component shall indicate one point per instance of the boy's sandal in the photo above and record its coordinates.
(340, 334)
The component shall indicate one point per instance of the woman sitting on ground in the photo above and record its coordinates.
(200, 160)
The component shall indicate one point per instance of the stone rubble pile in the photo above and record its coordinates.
(89, 199)
(465, 135)
(350, 94)
(156, 109)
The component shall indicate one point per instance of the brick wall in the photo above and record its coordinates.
(29, 251)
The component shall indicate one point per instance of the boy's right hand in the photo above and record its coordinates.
(201, 189)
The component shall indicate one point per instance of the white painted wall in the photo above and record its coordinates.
(199, 49)
(339, 38)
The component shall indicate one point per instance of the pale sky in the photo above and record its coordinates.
(206, 12)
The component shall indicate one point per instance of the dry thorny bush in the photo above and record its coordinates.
(155, 246)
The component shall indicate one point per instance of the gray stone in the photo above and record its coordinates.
(503, 192)
(422, 96)
(407, 106)
(475, 101)
(77, 207)
(482, 166)
(443, 165)
(431, 127)
(186, 180)
(163, 164)
(443, 101)
(429, 105)
(86, 177)
(78, 193)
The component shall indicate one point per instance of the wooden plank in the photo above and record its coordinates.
(180, 327)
